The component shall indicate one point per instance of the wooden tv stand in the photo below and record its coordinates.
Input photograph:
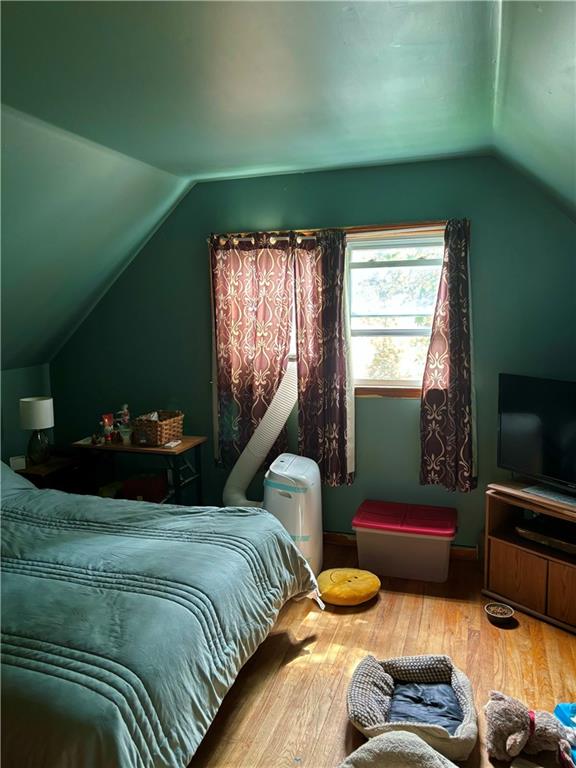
(531, 577)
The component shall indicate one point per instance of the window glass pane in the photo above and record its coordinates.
(396, 253)
(389, 357)
(394, 290)
(383, 322)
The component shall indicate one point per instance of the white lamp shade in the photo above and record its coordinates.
(36, 412)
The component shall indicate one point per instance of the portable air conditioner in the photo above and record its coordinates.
(292, 494)
(291, 485)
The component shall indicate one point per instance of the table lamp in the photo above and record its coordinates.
(37, 414)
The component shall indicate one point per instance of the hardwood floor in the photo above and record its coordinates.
(288, 706)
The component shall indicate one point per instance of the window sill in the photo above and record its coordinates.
(409, 392)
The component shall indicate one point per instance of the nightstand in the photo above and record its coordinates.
(53, 473)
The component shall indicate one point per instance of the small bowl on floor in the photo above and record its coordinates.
(499, 613)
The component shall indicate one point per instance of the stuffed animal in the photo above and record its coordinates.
(511, 727)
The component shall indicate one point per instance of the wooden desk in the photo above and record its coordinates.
(176, 458)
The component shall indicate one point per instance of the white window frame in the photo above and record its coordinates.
(393, 238)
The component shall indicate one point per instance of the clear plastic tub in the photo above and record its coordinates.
(405, 540)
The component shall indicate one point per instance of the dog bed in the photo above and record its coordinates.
(396, 750)
(425, 695)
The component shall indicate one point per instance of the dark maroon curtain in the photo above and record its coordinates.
(252, 286)
(446, 426)
(323, 396)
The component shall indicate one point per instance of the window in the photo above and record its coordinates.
(393, 283)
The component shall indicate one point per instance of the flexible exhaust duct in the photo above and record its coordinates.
(262, 440)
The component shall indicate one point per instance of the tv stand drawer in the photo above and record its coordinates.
(518, 575)
(562, 592)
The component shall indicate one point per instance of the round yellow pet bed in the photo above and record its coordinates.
(347, 586)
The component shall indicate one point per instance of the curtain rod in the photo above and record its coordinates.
(310, 234)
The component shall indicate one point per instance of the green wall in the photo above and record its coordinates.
(148, 340)
(16, 383)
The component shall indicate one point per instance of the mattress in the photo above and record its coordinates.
(125, 623)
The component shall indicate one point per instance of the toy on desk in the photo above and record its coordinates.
(512, 728)
(123, 415)
(107, 425)
(122, 424)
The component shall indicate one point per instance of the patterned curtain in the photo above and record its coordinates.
(324, 388)
(446, 426)
(253, 286)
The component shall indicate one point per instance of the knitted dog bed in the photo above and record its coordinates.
(416, 686)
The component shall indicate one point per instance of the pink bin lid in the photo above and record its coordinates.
(406, 518)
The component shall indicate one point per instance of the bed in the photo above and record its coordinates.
(125, 623)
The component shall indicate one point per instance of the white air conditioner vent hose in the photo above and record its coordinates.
(262, 440)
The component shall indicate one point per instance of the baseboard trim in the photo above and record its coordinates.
(464, 553)
(342, 539)
(349, 540)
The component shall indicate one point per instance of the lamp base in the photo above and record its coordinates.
(38, 447)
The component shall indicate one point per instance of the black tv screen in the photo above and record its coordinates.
(537, 430)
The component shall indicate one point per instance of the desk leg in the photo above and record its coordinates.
(198, 468)
(177, 479)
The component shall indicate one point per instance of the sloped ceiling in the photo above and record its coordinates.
(133, 101)
(73, 213)
(535, 92)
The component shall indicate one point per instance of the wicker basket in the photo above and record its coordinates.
(157, 432)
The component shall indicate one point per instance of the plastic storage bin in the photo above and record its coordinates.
(405, 540)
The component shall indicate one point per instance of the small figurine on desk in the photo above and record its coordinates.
(107, 426)
(123, 425)
(123, 415)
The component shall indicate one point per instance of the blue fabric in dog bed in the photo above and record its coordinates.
(431, 703)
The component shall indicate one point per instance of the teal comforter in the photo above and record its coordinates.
(125, 623)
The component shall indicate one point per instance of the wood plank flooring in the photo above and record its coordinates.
(288, 706)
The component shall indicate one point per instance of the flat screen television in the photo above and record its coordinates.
(537, 429)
